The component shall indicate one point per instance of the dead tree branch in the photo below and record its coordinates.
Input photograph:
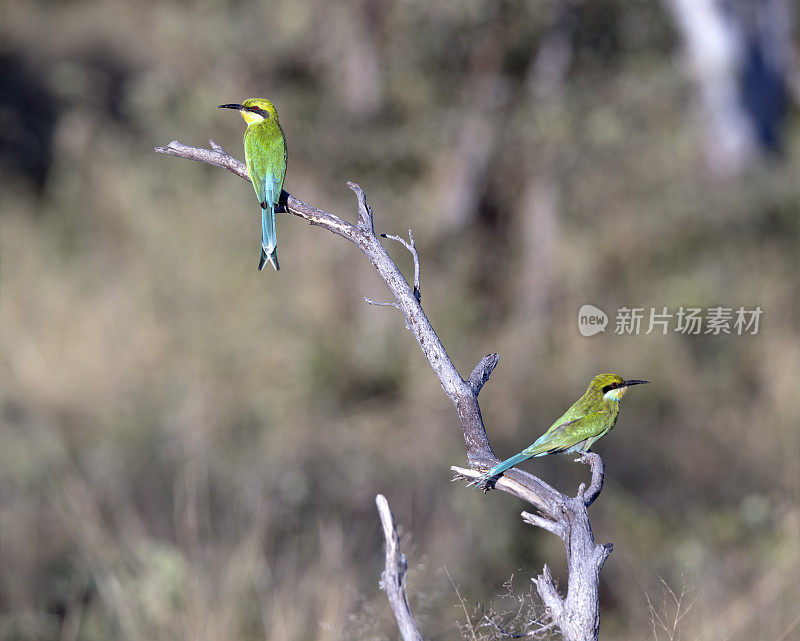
(577, 614)
(393, 578)
(362, 235)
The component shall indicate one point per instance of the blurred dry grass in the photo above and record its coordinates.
(191, 449)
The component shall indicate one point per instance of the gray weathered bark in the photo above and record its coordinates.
(576, 615)
(393, 579)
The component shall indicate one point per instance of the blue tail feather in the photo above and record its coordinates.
(269, 240)
(502, 467)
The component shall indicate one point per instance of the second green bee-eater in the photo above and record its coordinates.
(265, 156)
(591, 417)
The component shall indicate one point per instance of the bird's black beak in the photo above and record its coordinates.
(237, 107)
(634, 382)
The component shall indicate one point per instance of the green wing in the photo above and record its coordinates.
(265, 154)
(571, 435)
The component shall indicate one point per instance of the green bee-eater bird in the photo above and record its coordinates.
(591, 417)
(265, 156)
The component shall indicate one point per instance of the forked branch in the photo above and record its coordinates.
(576, 615)
(362, 235)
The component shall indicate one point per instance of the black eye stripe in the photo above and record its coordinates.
(608, 388)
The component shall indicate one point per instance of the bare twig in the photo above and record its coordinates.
(411, 246)
(393, 578)
(463, 606)
(543, 627)
(598, 474)
(215, 146)
(670, 615)
(527, 620)
(556, 527)
(365, 221)
(547, 591)
(380, 304)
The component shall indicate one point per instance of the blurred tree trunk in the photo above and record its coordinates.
(485, 95)
(541, 201)
(738, 53)
(353, 57)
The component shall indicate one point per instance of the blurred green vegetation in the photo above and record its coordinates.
(191, 449)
